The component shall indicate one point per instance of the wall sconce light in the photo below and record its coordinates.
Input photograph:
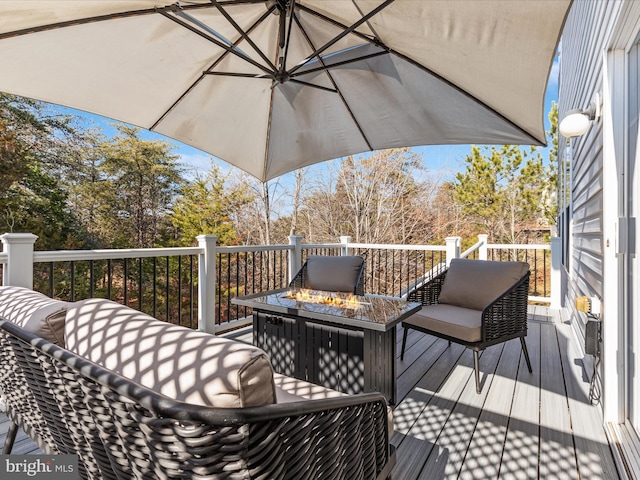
(577, 122)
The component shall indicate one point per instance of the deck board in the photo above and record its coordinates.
(589, 436)
(456, 433)
(523, 425)
(520, 453)
(557, 453)
(485, 448)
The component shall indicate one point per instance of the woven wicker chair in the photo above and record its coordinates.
(331, 273)
(475, 303)
(122, 430)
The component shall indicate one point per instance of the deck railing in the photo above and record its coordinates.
(194, 286)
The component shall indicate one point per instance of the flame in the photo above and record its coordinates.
(323, 298)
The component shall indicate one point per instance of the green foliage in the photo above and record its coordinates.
(508, 191)
(136, 183)
(33, 145)
(207, 206)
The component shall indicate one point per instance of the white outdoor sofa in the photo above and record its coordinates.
(134, 397)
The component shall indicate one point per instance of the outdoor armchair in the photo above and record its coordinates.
(475, 303)
(332, 274)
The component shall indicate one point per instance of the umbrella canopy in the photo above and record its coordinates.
(271, 86)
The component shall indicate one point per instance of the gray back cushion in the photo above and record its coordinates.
(333, 274)
(475, 284)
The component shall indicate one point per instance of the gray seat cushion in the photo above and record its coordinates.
(457, 322)
(333, 274)
(35, 312)
(475, 284)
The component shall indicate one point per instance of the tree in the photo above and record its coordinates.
(379, 198)
(255, 220)
(550, 202)
(141, 180)
(507, 192)
(12, 164)
(298, 191)
(34, 143)
(208, 206)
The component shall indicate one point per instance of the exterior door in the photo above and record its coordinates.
(627, 230)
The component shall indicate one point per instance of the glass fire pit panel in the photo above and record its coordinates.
(332, 306)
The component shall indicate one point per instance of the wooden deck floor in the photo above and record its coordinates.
(522, 425)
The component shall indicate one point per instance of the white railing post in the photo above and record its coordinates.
(345, 240)
(483, 240)
(295, 256)
(453, 248)
(556, 273)
(18, 271)
(207, 283)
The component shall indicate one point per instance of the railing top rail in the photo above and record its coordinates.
(113, 254)
(309, 246)
(398, 247)
(252, 248)
(105, 254)
(471, 249)
(523, 246)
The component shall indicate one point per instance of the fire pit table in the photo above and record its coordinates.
(344, 342)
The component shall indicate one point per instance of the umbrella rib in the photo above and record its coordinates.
(268, 138)
(377, 42)
(357, 7)
(326, 67)
(344, 33)
(319, 87)
(333, 82)
(288, 41)
(242, 33)
(238, 74)
(229, 48)
(111, 16)
(199, 79)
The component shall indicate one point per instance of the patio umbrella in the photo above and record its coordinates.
(271, 86)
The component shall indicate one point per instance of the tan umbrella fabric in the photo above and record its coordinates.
(271, 86)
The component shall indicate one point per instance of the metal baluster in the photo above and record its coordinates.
(155, 287)
(73, 281)
(246, 280)
(51, 292)
(179, 290)
(191, 296)
(91, 279)
(544, 271)
(167, 290)
(535, 270)
(109, 279)
(126, 274)
(219, 259)
(140, 284)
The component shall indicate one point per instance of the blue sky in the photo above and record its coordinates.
(443, 161)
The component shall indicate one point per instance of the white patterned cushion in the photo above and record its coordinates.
(178, 362)
(34, 312)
